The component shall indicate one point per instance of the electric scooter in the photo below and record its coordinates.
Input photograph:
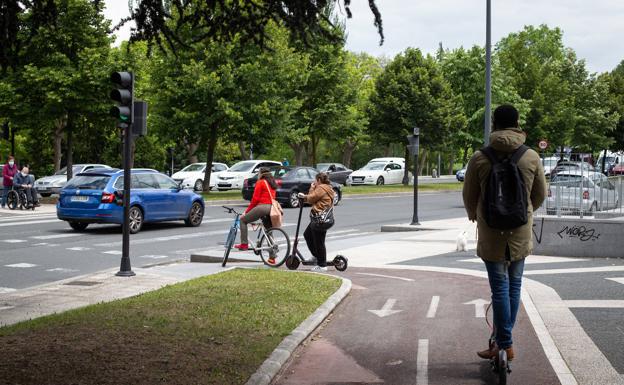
(295, 259)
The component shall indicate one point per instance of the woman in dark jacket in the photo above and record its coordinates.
(321, 197)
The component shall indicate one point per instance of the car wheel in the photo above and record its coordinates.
(135, 219)
(196, 214)
(199, 185)
(293, 200)
(337, 197)
(78, 226)
(45, 195)
(380, 181)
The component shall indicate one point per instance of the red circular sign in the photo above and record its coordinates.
(542, 144)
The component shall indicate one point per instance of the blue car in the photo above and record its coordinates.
(95, 196)
(461, 174)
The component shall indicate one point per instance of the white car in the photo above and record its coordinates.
(53, 184)
(575, 191)
(192, 176)
(233, 178)
(549, 164)
(379, 171)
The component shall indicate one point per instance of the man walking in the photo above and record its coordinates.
(504, 242)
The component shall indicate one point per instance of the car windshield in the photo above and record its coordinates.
(374, 166)
(323, 166)
(550, 162)
(242, 166)
(193, 167)
(280, 172)
(88, 182)
(63, 171)
(567, 180)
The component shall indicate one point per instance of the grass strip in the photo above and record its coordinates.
(389, 189)
(212, 330)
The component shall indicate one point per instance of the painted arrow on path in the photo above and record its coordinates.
(386, 309)
(479, 305)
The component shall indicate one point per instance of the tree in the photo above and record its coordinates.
(411, 92)
(615, 82)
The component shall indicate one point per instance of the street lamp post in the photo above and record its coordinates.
(414, 143)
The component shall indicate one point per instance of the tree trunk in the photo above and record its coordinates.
(70, 150)
(406, 171)
(387, 151)
(465, 160)
(59, 127)
(243, 150)
(424, 164)
(347, 154)
(212, 144)
(451, 163)
(314, 142)
(191, 152)
(299, 150)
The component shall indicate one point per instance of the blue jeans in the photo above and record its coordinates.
(505, 283)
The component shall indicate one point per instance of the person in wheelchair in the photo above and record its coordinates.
(26, 183)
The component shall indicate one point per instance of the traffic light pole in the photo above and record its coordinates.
(125, 269)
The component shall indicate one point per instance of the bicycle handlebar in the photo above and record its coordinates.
(231, 210)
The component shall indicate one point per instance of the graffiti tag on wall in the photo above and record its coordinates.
(582, 233)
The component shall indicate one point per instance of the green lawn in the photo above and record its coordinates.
(212, 330)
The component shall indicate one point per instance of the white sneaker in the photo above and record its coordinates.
(319, 269)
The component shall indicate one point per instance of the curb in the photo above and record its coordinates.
(272, 365)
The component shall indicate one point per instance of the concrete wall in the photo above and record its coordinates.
(574, 237)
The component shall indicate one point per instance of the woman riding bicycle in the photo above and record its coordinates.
(260, 206)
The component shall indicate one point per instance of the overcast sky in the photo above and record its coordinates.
(593, 28)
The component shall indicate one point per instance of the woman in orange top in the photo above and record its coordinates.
(260, 205)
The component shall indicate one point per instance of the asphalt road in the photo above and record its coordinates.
(40, 249)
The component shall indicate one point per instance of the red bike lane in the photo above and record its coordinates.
(412, 327)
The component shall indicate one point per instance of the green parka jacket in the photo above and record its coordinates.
(491, 242)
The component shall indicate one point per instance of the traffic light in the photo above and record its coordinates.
(123, 96)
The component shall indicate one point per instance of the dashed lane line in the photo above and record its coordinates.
(112, 252)
(14, 240)
(617, 279)
(28, 222)
(21, 265)
(422, 362)
(54, 236)
(78, 248)
(433, 307)
(30, 217)
(6, 307)
(61, 270)
(154, 256)
(4, 290)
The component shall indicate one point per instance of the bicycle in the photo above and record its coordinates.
(272, 244)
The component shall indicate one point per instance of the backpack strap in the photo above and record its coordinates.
(489, 152)
(515, 158)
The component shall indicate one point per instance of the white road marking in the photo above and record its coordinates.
(62, 270)
(112, 252)
(595, 303)
(216, 220)
(4, 290)
(27, 218)
(53, 236)
(618, 280)
(422, 363)
(6, 307)
(41, 244)
(479, 305)
(27, 223)
(534, 260)
(21, 265)
(578, 270)
(13, 240)
(78, 248)
(343, 231)
(387, 276)
(386, 309)
(433, 307)
(154, 256)
(342, 236)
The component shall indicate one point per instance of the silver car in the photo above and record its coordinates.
(53, 184)
(574, 190)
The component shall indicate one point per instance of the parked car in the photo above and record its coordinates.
(337, 172)
(549, 164)
(95, 196)
(53, 184)
(574, 191)
(379, 171)
(583, 167)
(192, 176)
(618, 169)
(461, 174)
(611, 160)
(233, 178)
(290, 181)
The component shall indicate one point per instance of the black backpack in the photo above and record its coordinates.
(505, 205)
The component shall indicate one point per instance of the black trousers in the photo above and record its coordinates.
(31, 195)
(315, 239)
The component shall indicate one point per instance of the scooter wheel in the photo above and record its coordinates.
(292, 263)
(341, 263)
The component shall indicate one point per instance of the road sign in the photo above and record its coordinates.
(542, 144)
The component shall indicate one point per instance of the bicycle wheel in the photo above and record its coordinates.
(274, 247)
(502, 367)
(12, 199)
(229, 242)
